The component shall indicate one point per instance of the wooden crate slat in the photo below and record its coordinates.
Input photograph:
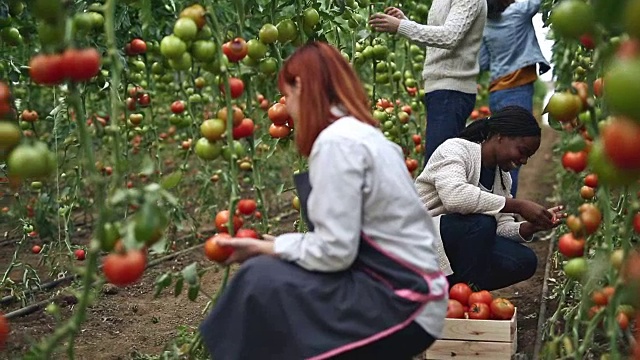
(470, 350)
(480, 330)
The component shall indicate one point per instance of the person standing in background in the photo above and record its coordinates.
(453, 35)
(510, 51)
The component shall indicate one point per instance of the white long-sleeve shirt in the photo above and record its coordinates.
(360, 183)
(453, 36)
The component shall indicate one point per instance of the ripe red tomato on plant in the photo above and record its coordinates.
(236, 49)
(621, 145)
(222, 219)
(278, 114)
(247, 206)
(502, 309)
(215, 252)
(177, 107)
(412, 164)
(417, 139)
(36, 249)
(279, 131)
(479, 311)
(569, 246)
(460, 292)
(46, 69)
(124, 269)
(138, 46)
(247, 233)
(574, 161)
(591, 217)
(455, 310)
(80, 254)
(236, 86)
(245, 129)
(80, 65)
(636, 223)
(591, 180)
(4, 330)
(482, 296)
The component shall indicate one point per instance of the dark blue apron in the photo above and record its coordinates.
(274, 309)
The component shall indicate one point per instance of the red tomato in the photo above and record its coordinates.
(36, 249)
(215, 252)
(482, 296)
(479, 311)
(81, 65)
(636, 223)
(455, 310)
(591, 180)
(46, 69)
(80, 254)
(247, 233)
(237, 87)
(502, 309)
(245, 129)
(621, 145)
(177, 107)
(279, 131)
(236, 49)
(460, 292)
(417, 139)
(137, 46)
(591, 219)
(412, 164)
(247, 206)
(569, 246)
(222, 220)
(278, 114)
(574, 161)
(623, 321)
(4, 330)
(124, 269)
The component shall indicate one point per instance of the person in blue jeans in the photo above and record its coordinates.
(510, 51)
(452, 38)
(466, 189)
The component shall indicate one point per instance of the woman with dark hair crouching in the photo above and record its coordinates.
(466, 188)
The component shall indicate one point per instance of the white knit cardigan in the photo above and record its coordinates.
(450, 183)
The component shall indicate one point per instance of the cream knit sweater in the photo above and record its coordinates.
(450, 183)
(453, 35)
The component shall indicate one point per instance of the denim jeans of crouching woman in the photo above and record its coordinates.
(479, 257)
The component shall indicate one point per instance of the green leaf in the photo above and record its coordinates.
(148, 166)
(162, 282)
(177, 290)
(190, 274)
(193, 292)
(172, 180)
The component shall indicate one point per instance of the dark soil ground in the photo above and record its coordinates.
(130, 323)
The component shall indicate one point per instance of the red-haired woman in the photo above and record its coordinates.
(364, 282)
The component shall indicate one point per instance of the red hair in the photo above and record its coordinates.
(326, 79)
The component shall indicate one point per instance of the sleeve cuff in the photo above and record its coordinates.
(405, 27)
(520, 236)
(287, 246)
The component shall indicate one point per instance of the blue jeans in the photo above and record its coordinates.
(447, 114)
(479, 257)
(521, 96)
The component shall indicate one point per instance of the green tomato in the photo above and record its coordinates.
(172, 47)
(185, 28)
(204, 50)
(268, 34)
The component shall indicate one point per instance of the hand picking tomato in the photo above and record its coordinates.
(502, 309)
(460, 292)
(455, 310)
(482, 296)
(479, 311)
(215, 252)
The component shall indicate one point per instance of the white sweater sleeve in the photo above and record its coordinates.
(447, 36)
(337, 172)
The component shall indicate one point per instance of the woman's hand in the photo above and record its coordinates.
(532, 212)
(527, 229)
(384, 23)
(395, 12)
(246, 248)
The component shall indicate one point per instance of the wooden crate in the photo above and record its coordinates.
(464, 339)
